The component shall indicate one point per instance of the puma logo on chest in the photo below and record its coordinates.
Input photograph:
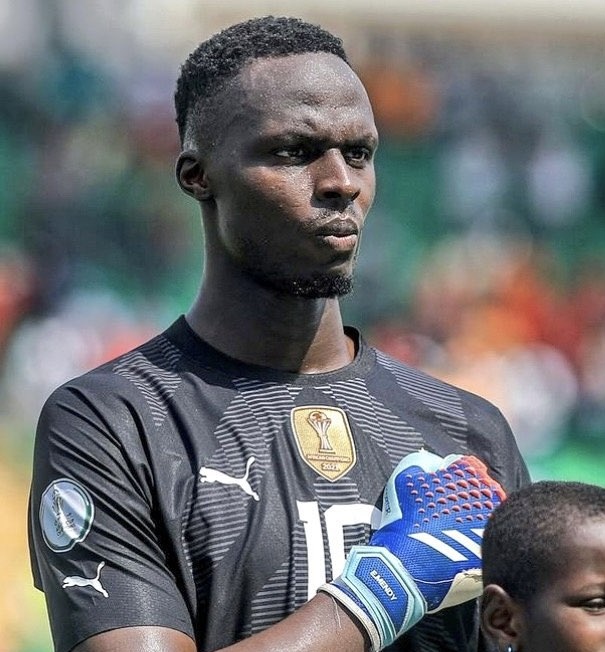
(208, 474)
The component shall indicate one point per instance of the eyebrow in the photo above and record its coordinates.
(367, 138)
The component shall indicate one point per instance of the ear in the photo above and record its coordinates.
(501, 617)
(191, 175)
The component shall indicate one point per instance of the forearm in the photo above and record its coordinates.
(321, 625)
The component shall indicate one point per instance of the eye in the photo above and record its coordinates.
(594, 605)
(358, 155)
(291, 152)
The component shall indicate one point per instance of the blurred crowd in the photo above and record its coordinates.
(483, 260)
(489, 316)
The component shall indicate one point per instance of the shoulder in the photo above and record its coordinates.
(151, 363)
(119, 396)
(483, 427)
(424, 385)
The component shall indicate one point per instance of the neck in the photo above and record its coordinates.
(257, 326)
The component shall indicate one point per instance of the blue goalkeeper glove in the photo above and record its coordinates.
(426, 554)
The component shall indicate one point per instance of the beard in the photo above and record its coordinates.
(321, 286)
(278, 278)
(318, 286)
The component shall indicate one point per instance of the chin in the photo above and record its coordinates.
(320, 286)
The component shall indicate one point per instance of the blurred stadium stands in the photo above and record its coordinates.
(483, 259)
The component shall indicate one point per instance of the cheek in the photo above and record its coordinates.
(283, 209)
(566, 630)
(278, 186)
(368, 191)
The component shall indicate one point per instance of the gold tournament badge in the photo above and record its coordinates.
(324, 440)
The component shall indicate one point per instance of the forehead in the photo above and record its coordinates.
(586, 541)
(316, 90)
(581, 554)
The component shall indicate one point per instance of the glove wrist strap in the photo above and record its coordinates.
(378, 590)
(348, 600)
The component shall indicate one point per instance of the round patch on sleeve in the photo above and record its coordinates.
(66, 514)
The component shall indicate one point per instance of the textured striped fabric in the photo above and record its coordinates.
(245, 487)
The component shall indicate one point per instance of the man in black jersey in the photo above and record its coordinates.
(196, 492)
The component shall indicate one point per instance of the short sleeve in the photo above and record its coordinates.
(96, 541)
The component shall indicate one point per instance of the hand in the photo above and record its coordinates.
(426, 554)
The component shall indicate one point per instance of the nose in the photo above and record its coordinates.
(335, 181)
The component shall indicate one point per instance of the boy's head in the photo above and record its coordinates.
(544, 569)
(523, 539)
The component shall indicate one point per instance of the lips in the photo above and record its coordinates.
(339, 235)
(339, 229)
(342, 243)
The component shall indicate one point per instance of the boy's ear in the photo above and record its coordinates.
(191, 175)
(501, 617)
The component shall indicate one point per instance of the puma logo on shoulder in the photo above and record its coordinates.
(208, 474)
(94, 582)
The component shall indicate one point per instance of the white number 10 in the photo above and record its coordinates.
(336, 517)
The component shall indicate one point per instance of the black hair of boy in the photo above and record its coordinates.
(523, 540)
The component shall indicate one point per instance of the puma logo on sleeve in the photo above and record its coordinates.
(94, 582)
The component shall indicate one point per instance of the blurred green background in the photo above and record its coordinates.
(483, 260)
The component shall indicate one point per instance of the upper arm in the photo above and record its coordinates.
(97, 551)
(138, 639)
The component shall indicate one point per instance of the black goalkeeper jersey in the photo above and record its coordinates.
(177, 487)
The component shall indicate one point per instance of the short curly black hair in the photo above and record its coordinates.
(215, 62)
(522, 542)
